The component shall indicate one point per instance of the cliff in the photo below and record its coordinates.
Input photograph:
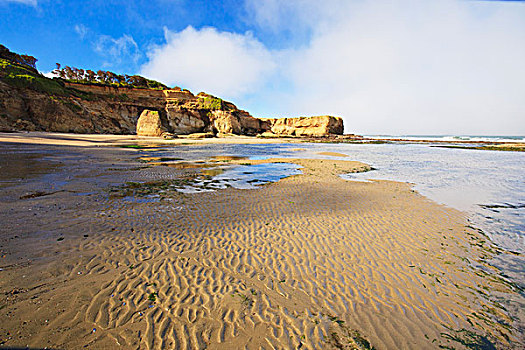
(306, 126)
(30, 101)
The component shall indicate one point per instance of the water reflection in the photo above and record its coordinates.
(468, 180)
(249, 176)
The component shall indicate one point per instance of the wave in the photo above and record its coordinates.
(452, 138)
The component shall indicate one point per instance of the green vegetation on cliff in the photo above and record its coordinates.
(23, 60)
(20, 71)
(106, 78)
(210, 102)
(213, 103)
(21, 76)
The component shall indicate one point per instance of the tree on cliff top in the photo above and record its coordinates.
(82, 76)
(24, 60)
(106, 78)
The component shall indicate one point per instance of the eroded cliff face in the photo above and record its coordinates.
(306, 126)
(81, 108)
(96, 110)
(150, 124)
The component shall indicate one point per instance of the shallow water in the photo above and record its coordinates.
(250, 176)
(488, 185)
(225, 175)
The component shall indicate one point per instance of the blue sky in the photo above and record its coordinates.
(390, 67)
(69, 31)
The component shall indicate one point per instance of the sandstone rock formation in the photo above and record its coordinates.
(225, 122)
(306, 126)
(234, 122)
(183, 120)
(74, 108)
(33, 102)
(150, 124)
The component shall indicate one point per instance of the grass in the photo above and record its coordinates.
(34, 82)
(212, 103)
(22, 77)
(151, 84)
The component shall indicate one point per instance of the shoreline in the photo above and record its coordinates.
(273, 266)
(101, 140)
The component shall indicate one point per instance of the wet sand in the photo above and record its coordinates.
(312, 261)
(101, 140)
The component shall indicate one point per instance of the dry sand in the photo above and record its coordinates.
(310, 262)
(332, 154)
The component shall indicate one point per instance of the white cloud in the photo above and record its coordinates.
(400, 67)
(33, 3)
(295, 15)
(117, 51)
(50, 74)
(81, 30)
(406, 67)
(221, 63)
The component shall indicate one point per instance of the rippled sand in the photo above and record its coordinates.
(311, 262)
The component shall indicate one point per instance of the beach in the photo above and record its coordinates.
(100, 249)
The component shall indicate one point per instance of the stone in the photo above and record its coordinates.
(168, 135)
(268, 134)
(182, 120)
(306, 126)
(198, 135)
(150, 124)
(225, 122)
(249, 124)
(88, 108)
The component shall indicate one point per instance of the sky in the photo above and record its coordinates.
(390, 67)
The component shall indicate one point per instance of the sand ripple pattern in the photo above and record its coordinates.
(296, 264)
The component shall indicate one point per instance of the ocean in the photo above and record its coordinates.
(451, 138)
(487, 185)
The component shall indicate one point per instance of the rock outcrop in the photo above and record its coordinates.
(183, 120)
(150, 124)
(33, 102)
(306, 126)
(234, 122)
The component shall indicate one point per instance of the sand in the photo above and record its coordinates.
(101, 140)
(312, 261)
(332, 154)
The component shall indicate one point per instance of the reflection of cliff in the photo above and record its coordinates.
(30, 101)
